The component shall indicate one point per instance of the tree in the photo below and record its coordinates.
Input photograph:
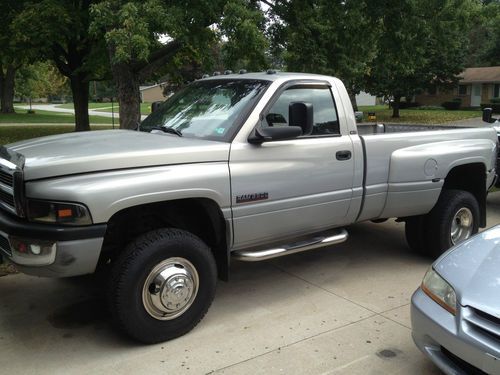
(241, 29)
(484, 37)
(58, 30)
(132, 31)
(12, 55)
(40, 80)
(421, 43)
(327, 37)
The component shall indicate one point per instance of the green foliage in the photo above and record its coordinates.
(40, 80)
(422, 43)
(484, 37)
(128, 27)
(242, 31)
(452, 105)
(329, 37)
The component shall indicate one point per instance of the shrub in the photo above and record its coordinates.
(495, 100)
(453, 104)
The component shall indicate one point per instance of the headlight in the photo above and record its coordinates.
(58, 213)
(440, 291)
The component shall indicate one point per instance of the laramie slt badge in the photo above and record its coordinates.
(244, 198)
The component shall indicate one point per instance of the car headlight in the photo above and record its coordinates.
(440, 291)
(58, 212)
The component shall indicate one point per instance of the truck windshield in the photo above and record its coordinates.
(206, 109)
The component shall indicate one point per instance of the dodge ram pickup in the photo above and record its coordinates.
(244, 167)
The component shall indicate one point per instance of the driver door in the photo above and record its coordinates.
(292, 187)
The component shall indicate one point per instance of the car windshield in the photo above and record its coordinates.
(206, 109)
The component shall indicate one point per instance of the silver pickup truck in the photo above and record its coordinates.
(241, 166)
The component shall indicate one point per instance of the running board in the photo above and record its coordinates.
(328, 239)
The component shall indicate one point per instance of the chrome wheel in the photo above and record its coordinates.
(462, 225)
(170, 288)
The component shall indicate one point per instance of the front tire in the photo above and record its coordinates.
(162, 285)
(454, 219)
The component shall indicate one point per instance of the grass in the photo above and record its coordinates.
(106, 107)
(10, 134)
(418, 116)
(46, 117)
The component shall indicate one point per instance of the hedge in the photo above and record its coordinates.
(494, 106)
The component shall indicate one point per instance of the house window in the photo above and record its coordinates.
(462, 90)
(496, 91)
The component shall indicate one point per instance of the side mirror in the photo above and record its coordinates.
(301, 114)
(155, 106)
(275, 134)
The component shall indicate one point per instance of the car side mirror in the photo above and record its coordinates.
(301, 114)
(155, 106)
(274, 134)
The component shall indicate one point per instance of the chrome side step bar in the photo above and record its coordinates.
(331, 238)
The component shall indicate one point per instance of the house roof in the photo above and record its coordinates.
(490, 74)
(142, 88)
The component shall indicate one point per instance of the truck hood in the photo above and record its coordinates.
(473, 269)
(74, 153)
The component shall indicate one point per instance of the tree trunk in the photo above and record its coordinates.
(395, 106)
(354, 103)
(129, 96)
(7, 100)
(80, 91)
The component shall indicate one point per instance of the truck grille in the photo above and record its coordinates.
(5, 245)
(8, 182)
(6, 178)
(484, 325)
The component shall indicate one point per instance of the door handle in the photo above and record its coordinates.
(343, 155)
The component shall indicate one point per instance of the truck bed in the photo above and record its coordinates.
(405, 166)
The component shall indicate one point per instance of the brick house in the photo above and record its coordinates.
(476, 86)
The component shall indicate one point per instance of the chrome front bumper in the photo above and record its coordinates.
(441, 336)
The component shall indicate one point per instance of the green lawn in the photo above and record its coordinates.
(47, 117)
(10, 134)
(106, 107)
(418, 116)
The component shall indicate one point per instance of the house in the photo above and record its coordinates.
(153, 93)
(475, 86)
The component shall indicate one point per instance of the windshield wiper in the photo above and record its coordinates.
(167, 130)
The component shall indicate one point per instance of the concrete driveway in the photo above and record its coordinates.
(340, 310)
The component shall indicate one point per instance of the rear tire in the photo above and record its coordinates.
(162, 285)
(454, 219)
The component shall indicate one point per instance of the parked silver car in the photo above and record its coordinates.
(455, 313)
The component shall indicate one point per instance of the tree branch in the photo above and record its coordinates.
(157, 59)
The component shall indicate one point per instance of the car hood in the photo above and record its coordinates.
(102, 150)
(473, 269)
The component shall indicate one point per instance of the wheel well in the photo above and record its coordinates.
(199, 216)
(471, 178)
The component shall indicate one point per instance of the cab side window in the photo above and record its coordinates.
(324, 113)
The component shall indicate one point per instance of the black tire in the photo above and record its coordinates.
(131, 270)
(415, 234)
(439, 221)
